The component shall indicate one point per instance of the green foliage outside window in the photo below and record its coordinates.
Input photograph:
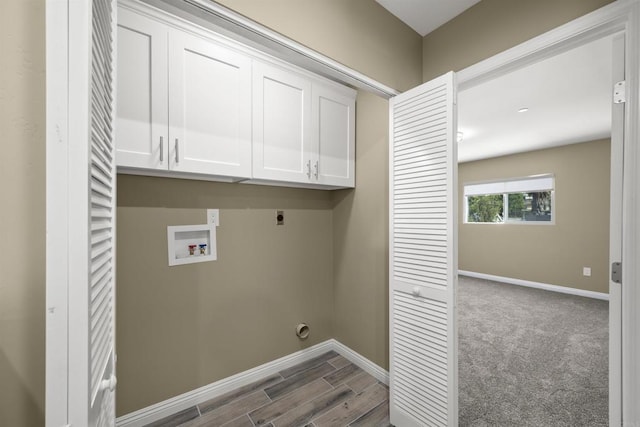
(525, 207)
(486, 208)
(516, 205)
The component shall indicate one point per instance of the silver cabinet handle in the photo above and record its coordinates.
(316, 170)
(309, 169)
(161, 149)
(177, 151)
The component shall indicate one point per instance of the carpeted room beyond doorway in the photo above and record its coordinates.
(530, 357)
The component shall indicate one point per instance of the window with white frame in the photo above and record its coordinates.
(521, 200)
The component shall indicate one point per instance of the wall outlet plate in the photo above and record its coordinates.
(213, 216)
(586, 271)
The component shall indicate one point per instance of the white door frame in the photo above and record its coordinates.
(71, 399)
(57, 219)
(620, 16)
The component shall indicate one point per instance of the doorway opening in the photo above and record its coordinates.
(545, 353)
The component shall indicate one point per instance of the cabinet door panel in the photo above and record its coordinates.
(281, 123)
(141, 125)
(334, 124)
(210, 107)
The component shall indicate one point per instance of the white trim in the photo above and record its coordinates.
(615, 233)
(512, 185)
(186, 400)
(357, 359)
(537, 285)
(57, 211)
(79, 110)
(245, 30)
(631, 226)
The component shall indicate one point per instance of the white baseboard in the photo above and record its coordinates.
(357, 359)
(178, 403)
(537, 285)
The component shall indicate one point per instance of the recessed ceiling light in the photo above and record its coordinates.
(523, 110)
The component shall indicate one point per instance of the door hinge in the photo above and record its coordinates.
(616, 272)
(620, 92)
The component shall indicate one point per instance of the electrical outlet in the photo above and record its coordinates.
(279, 217)
(586, 271)
(213, 216)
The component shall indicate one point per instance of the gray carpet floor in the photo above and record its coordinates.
(529, 357)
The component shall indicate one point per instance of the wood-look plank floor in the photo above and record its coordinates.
(327, 391)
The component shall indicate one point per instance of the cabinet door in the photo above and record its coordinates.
(334, 130)
(281, 125)
(142, 107)
(209, 107)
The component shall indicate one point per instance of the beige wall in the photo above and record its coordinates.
(553, 254)
(184, 327)
(358, 33)
(361, 236)
(22, 216)
(492, 26)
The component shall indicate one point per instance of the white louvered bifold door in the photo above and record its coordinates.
(423, 260)
(92, 201)
(102, 222)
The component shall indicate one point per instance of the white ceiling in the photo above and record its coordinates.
(425, 16)
(569, 97)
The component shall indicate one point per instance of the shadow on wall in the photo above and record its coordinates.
(15, 395)
(145, 191)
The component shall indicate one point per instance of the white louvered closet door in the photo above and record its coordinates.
(423, 257)
(91, 213)
(101, 310)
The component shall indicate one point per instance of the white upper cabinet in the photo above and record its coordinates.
(184, 102)
(142, 105)
(209, 107)
(281, 125)
(191, 103)
(303, 130)
(333, 117)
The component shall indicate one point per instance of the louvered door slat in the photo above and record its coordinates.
(422, 263)
(437, 358)
(102, 210)
(430, 379)
(412, 129)
(417, 188)
(419, 173)
(420, 224)
(419, 102)
(420, 258)
(420, 238)
(421, 231)
(419, 143)
(404, 249)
